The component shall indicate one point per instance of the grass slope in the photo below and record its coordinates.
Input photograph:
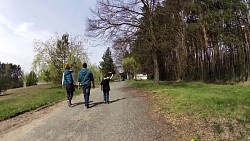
(209, 111)
(20, 100)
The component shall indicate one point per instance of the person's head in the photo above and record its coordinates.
(84, 65)
(105, 75)
(67, 67)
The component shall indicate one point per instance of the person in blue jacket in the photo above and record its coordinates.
(85, 77)
(68, 83)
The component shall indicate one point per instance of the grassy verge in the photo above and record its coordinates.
(223, 111)
(20, 100)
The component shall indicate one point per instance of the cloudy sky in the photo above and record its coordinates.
(22, 21)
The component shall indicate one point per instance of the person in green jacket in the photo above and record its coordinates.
(85, 77)
(68, 83)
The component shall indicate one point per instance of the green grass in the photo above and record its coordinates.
(20, 100)
(205, 100)
(220, 107)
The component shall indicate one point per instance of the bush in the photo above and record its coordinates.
(32, 79)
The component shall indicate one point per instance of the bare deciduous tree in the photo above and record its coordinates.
(121, 19)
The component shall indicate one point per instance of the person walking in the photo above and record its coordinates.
(68, 83)
(105, 87)
(85, 77)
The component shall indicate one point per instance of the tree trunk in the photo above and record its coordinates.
(206, 55)
(156, 66)
(154, 52)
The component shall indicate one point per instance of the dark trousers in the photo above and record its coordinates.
(69, 95)
(106, 96)
(86, 94)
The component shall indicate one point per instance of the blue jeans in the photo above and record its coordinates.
(106, 97)
(86, 94)
(69, 95)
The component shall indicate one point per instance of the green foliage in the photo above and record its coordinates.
(47, 76)
(53, 54)
(107, 65)
(3, 85)
(96, 72)
(31, 79)
(11, 76)
(130, 66)
(196, 138)
(197, 40)
(204, 40)
(44, 76)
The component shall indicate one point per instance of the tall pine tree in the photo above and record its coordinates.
(107, 65)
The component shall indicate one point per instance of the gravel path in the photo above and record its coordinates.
(126, 118)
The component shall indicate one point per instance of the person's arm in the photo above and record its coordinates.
(93, 84)
(78, 81)
(111, 76)
(101, 85)
(92, 79)
(73, 78)
(78, 85)
(62, 80)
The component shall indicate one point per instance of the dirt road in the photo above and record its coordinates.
(128, 117)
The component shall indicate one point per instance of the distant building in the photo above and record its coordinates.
(141, 76)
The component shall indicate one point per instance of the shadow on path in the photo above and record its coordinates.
(95, 103)
(117, 100)
(79, 103)
(98, 103)
(76, 104)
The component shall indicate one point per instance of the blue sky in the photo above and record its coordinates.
(22, 21)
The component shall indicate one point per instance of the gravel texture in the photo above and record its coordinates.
(128, 117)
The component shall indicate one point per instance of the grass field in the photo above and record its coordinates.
(202, 111)
(223, 111)
(20, 100)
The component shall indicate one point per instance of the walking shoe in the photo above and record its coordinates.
(87, 106)
(69, 104)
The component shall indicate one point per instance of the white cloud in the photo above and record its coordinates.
(16, 42)
(23, 21)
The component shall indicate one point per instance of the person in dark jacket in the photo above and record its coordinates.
(85, 77)
(105, 87)
(68, 83)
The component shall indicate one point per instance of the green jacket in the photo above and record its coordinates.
(68, 77)
(84, 77)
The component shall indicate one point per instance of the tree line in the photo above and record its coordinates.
(11, 76)
(205, 40)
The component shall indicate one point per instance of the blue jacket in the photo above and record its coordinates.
(68, 77)
(85, 76)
